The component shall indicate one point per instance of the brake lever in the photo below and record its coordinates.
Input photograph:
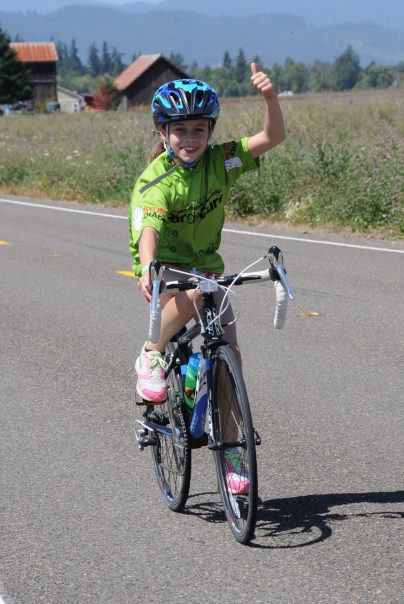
(275, 258)
(155, 267)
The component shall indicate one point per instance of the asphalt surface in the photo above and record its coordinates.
(82, 517)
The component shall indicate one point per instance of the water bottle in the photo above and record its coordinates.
(197, 425)
(190, 378)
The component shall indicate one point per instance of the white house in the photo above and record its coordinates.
(69, 101)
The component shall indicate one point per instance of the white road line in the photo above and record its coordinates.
(318, 241)
(225, 230)
(42, 205)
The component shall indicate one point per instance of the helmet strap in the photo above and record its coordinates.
(167, 146)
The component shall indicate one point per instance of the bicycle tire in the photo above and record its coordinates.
(172, 453)
(233, 431)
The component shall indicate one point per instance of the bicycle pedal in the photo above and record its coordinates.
(144, 437)
(145, 441)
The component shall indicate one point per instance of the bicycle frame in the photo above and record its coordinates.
(211, 330)
(220, 394)
(203, 392)
(212, 333)
(209, 327)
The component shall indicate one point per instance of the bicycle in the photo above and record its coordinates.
(174, 428)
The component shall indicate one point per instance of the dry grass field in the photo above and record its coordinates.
(342, 162)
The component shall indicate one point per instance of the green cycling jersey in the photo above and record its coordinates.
(187, 207)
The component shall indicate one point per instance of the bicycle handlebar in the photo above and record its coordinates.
(281, 284)
(275, 273)
(155, 303)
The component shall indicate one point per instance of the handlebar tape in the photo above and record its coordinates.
(281, 305)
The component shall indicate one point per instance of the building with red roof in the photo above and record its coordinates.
(138, 82)
(41, 58)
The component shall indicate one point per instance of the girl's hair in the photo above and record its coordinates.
(157, 150)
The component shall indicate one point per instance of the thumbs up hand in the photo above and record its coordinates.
(261, 82)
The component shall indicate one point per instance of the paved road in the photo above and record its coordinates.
(82, 518)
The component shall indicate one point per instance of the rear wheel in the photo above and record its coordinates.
(171, 451)
(234, 450)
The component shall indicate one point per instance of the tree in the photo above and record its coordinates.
(241, 66)
(295, 76)
(193, 69)
(375, 76)
(15, 76)
(94, 62)
(63, 54)
(276, 75)
(347, 69)
(178, 60)
(399, 74)
(321, 76)
(258, 63)
(106, 95)
(117, 65)
(204, 73)
(73, 59)
(227, 62)
(224, 82)
(106, 63)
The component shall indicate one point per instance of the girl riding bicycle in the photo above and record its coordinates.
(176, 213)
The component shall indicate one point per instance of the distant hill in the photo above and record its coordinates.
(389, 13)
(204, 38)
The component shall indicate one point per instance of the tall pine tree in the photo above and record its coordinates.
(106, 63)
(347, 69)
(15, 76)
(73, 60)
(241, 66)
(227, 62)
(94, 62)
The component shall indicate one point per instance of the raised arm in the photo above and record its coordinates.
(273, 132)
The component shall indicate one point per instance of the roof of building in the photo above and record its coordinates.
(34, 52)
(135, 69)
(139, 66)
(70, 93)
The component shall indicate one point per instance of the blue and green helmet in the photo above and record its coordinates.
(184, 99)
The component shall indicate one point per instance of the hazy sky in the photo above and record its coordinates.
(131, 2)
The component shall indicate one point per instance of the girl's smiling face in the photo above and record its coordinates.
(188, 138)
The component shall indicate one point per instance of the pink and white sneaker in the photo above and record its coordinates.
(237, 476)
(151, 385)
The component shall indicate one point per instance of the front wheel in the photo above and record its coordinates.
(171, 451)
(234, 445)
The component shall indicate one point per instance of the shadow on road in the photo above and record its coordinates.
(294, 522)
(300, 521)
(210, 508)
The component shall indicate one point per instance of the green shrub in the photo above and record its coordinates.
(341, 163)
